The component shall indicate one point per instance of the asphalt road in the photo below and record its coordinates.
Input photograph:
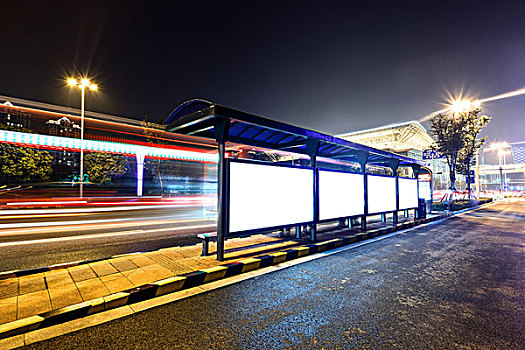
(35, 238)
(458, 284)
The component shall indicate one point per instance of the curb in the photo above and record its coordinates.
(185, 281)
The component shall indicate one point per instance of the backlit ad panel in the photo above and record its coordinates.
(381, 193)
(263, 196)
(340, 195)
(407, 193)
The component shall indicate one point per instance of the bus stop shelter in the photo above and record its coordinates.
(227, 126)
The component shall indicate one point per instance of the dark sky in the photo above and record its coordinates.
(330, 66)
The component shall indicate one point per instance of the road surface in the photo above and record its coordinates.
(42, 237)
(457, 284)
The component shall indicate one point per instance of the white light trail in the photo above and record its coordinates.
(100, 235)
(86, 227)
(91, 210)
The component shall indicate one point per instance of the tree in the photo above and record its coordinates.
(104, 167)
(23, 164)
(456, 140)
(449, 140)
(474, 122)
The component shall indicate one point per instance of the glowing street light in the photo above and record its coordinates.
(463, 106)
(82, 85)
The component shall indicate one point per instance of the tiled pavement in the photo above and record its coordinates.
(30, 295)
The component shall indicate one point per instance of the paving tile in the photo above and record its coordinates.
(8, 308)
(138, 277)
(103, 268)
(186, 253)
(57, 278)
(64, 295)
(33, 303)
(81, 273)
(142, 261)
(31, 283)
(92, 289)
(8, 287)
(116, 282)
(170, 253)
(122, 264)
(158, 272)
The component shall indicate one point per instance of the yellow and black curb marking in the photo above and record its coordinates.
(189, 280)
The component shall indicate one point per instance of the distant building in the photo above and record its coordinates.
(11, 116)
(65, 128)
(407, 139)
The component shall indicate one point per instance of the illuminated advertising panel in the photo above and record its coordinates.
(424, 190)
(340, 195)
(407, 193)
(263, 196)
(381, 193)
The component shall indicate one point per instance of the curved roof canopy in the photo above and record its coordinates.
(204, 118)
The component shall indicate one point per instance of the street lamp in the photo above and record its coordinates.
(462, 106)
(82, 85)
(502, 152)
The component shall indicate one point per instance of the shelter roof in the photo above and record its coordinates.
(200, 118)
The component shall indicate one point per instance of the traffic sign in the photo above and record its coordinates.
(471, 177)
(431, 154)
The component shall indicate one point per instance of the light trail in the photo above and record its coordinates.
(483, 100)
(85, 227)
(40, 216)
(84, 222)
(91, 210)
(100, 235)
(47, 203)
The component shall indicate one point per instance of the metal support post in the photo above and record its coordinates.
(313, 148)
(221, 134)
(383, 217)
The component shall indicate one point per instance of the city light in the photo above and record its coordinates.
(54, 142)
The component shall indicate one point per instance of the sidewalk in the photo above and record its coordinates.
(64, 293)
(21, 297)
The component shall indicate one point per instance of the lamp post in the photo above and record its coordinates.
(82, 85)
(501, 147)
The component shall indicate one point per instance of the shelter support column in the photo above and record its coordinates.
(313, 148)
(417, 168)
(362, 159)
(394, 165)
(221, 135)
(140, 173)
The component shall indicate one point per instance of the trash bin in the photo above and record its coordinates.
(422, 208)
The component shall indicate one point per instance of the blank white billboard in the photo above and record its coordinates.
(424, 190)
(381, 193)
(340, 195)
(264, 196)
(407, 193)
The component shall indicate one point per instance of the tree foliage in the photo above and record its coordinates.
(456, 140)
(105, 167)
(474, 123)
(23, 164)
(448, 133)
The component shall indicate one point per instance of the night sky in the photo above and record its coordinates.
(334, 67)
